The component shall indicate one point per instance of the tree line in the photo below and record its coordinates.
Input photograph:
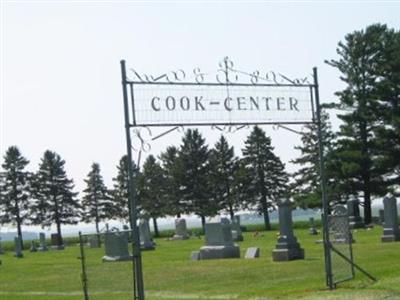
(362, 159)
(190, 179)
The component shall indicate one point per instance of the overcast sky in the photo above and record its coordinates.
(60, 76)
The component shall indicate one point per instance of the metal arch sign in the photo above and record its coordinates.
(169, 100)
(192, 104)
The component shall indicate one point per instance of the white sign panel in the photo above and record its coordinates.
(162, 104)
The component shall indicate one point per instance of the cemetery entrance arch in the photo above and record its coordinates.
(228, 98)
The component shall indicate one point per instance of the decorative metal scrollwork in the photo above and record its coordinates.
(172, 76)
(229, 129)
(144, 136)
(225, 74)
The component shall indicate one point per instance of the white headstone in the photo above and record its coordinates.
(252, 252)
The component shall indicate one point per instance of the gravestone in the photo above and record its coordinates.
(180, 230)
(381, 216)
(56, 242)
(252, 252)
(353, 209)
(116, 247)
(219, 242)
(42, 242)
(18, 247)
(313, 230)
(391, 231)
(287, 247)
(146, 242)
(33, 247)
(237, 234)
(94, 241)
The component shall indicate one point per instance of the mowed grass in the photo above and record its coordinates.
(169, 273)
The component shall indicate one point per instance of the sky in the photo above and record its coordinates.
(60, 65)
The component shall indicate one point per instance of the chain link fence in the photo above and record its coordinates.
(341, 239)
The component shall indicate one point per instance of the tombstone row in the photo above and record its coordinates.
(219, 241)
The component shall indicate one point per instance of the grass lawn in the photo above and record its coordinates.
(169, 274)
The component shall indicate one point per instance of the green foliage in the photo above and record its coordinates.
(223, 165)
(388, 89)
(96, 203)
(15, 190)
(55, 201)
(120, 189)
(171, 165)
(195, 168)
(268, 177)
(152, 187)
(306, 188)
(360, 59)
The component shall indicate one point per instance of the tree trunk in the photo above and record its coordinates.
(156, 232)
(20, 233)
(58, 221)
(178, 215)
(367, 200)
(267, 223)
(264, 205)
(203, 222)
(231, 212)
(18, 219)
(98, 231)
(60, 239)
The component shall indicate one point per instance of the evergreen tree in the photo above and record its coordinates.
(120, 194)
(15, 190)
(194, 156)
(152, 186)
(172, 167)
(306, 188)
(360, 57)
(388, 91)
(268, 177)
(55, 200)
(96, 202)
(223, 165)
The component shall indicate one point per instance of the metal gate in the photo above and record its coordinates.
(106, 277)
(341, 240)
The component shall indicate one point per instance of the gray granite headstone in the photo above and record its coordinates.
(313, 230)
(57, 242)
(42, 242)
(116, 247)
(94, 241)
(287, 247)
(18, 247)
(219, 242)
(33, 247)
(353, 209)
(180, 230)
(391, 231)
(237, 234)
(252, 252)
(146, 241)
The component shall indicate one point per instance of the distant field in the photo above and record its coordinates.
(169, 274)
